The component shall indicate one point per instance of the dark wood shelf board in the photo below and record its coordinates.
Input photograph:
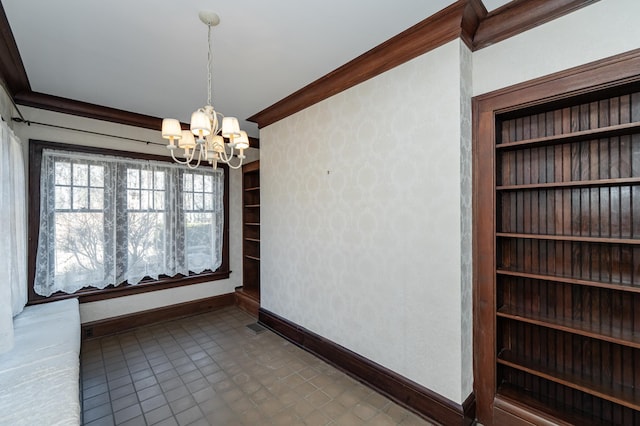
(254, 240)
(598, 240)
(572, 184)
(252, 206)
(591, 330)
(617, 394)
(511, 398)
(569, 280)
(252, 257)
(252, 223)
(602, 132)
(253, 188)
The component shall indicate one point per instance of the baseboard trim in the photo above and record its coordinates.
(121, 323)
(417, 398)
(247, 302)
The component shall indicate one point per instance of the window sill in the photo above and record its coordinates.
(94, 295)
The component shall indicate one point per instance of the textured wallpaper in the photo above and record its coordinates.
(466, 220)
(361, 219)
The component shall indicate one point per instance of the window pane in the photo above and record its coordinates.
(80, 174)
(96, 201)
(144, 200)
(200, 240)
(80, 198)
(63, 197)
(198, 202)
(159, 180)
(198, 184)
(133, 199)
(208, 201)
(208, 183)
(159, 200)
(133, 178)
(79, 247)
(63, 173)
(146, 242)
(146, 179)
(188, 201)
(96, 176)
(188, 181)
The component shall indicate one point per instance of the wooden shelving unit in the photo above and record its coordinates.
(567, 238)
(248, 296)
(557, 255)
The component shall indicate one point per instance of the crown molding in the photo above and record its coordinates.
(97, 112)
(87, 110)
(467, 19)
(436, 30)
(519, 16)
(12, 72)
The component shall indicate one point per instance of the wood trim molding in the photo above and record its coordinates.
(97, 112)
(519, 16)
(12, 71)
(121, 323)
(467, 19)
(87, 110)
(427, 35)
(402, 390)
(615, 71)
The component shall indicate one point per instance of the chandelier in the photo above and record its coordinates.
(209, 128)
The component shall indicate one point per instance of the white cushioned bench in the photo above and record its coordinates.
(39, 377)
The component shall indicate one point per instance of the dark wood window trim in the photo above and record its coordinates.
(585, 80)
(92, 294)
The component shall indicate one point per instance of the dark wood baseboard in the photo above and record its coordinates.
(121, 323)
(247, 301)
(400, 389)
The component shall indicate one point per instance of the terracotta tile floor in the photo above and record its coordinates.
(210, 369)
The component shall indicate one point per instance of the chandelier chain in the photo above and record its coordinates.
(209, 67)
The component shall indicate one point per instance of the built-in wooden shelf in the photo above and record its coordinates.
(509, 396)
(571, 184)
(583, 328)
(576, 238)
(557, 250)
(570, 280)
(583, 135)
(248, 295)
(625, 396)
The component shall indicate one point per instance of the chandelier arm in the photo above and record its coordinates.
(193, 167)
(185, 162)
(226, 157)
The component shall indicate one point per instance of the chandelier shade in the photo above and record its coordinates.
(171, 129)
(206, 138)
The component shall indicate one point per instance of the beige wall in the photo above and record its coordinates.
(129, 304)
(361, 220)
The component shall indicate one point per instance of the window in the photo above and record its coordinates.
(108, 220)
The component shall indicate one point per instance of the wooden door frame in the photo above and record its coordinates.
(610, 72)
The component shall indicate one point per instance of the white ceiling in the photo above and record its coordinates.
(150, 56)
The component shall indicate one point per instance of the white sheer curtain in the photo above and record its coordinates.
(13, 255)
(105, 220)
